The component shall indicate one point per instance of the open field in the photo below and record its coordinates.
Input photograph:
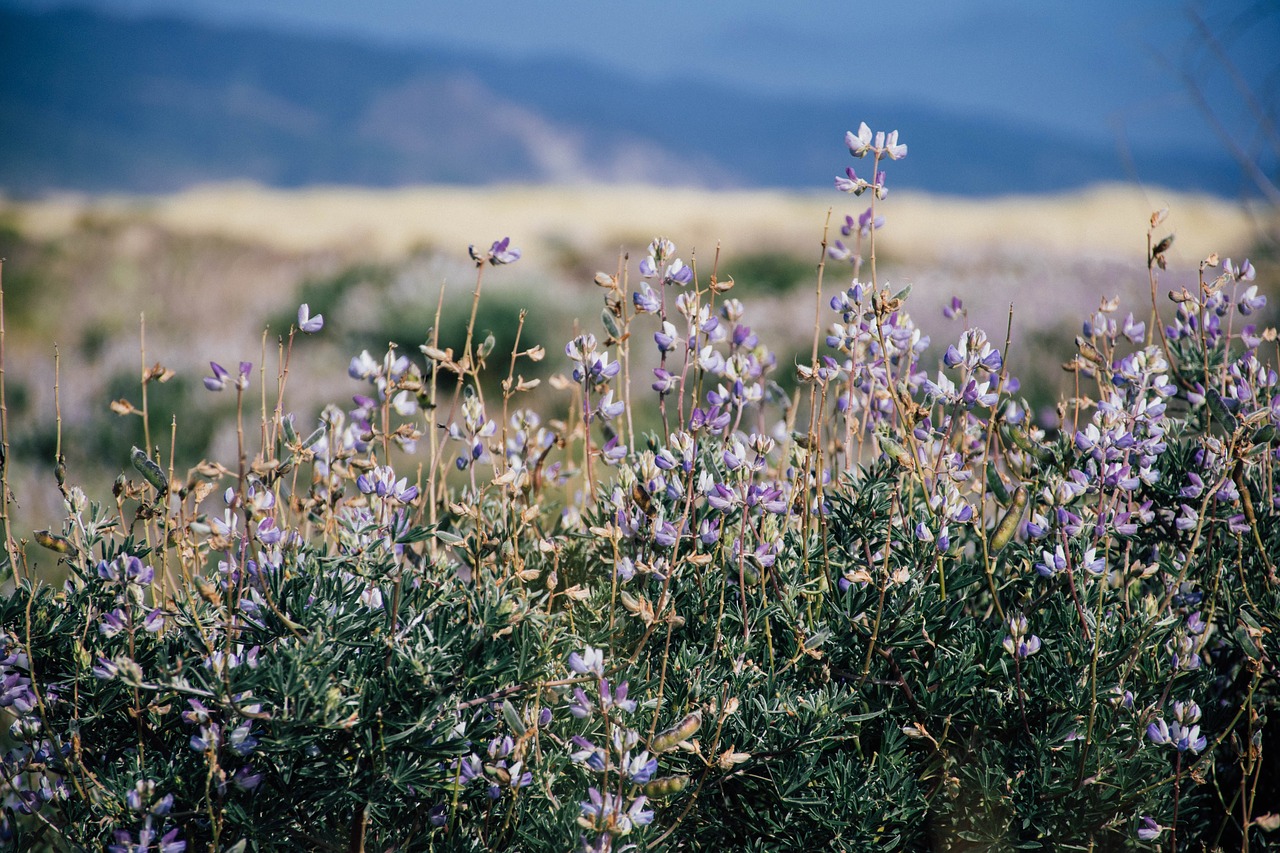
(209, 267)
(1105, 221)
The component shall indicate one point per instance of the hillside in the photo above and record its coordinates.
(92, 102)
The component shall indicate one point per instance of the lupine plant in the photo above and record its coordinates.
(705, 600)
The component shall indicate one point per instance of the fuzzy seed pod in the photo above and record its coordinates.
(666, 786)
(1009, 523)
(56, 544)
(681, 731)
(150, 471)
(894, 450)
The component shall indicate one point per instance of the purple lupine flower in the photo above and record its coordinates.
(207, 738)
(154, 623)
(591, 660)
(838, 251)
(221, 378)
(499, 253)
(382, 482)
(645, 300)
(1092, 563)
(678, 273)
(580, 705)
(610, 813)
(608, 409)
(953, 309)
(241, 740)
(616, 698)
(198, 715)
(1148, 829)
(1019, 642)
(306, 322)
(860, 144)
(890, 146)
(268, 532)
(764, 555)
(1187, 712)
(112, 623)
(852, 183)
(1052, 562)
(218, 381)
(666, 535)
(867, 223)
(639, 769)
(1250, 301)
(1243, 272)
(246, 778)
(1186, 738)
(721, 496)
(1158, 731)
(666, 337)
(587, 753)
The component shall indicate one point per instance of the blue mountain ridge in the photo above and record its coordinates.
(95, 102)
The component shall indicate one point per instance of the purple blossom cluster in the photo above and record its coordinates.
(615, 807)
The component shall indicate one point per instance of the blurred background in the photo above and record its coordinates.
(210, 164)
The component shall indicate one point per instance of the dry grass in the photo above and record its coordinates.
(1101, 222)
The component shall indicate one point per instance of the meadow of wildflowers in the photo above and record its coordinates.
(695, 598)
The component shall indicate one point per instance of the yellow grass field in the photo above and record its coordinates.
(1106, 221)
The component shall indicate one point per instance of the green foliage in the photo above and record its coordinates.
(769, 272)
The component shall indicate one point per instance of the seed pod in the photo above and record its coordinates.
(610, 324)
(996, 485)
(313, 438)
(1246, 499)
(150, 471)
(894, 450)
(1022, 441)
(666, 786)
(512, 716)
(1009, 523)
(681, 731)
(56, 544)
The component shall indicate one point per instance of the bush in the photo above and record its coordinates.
(885, 611)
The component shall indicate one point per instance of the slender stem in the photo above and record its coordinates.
(10, 549)
(142, 351)
(1177, 796)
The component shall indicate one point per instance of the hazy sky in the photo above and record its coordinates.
(1099, 67)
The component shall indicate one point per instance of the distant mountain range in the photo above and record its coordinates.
(93, 102)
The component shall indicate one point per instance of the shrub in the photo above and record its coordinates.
(883, 611)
